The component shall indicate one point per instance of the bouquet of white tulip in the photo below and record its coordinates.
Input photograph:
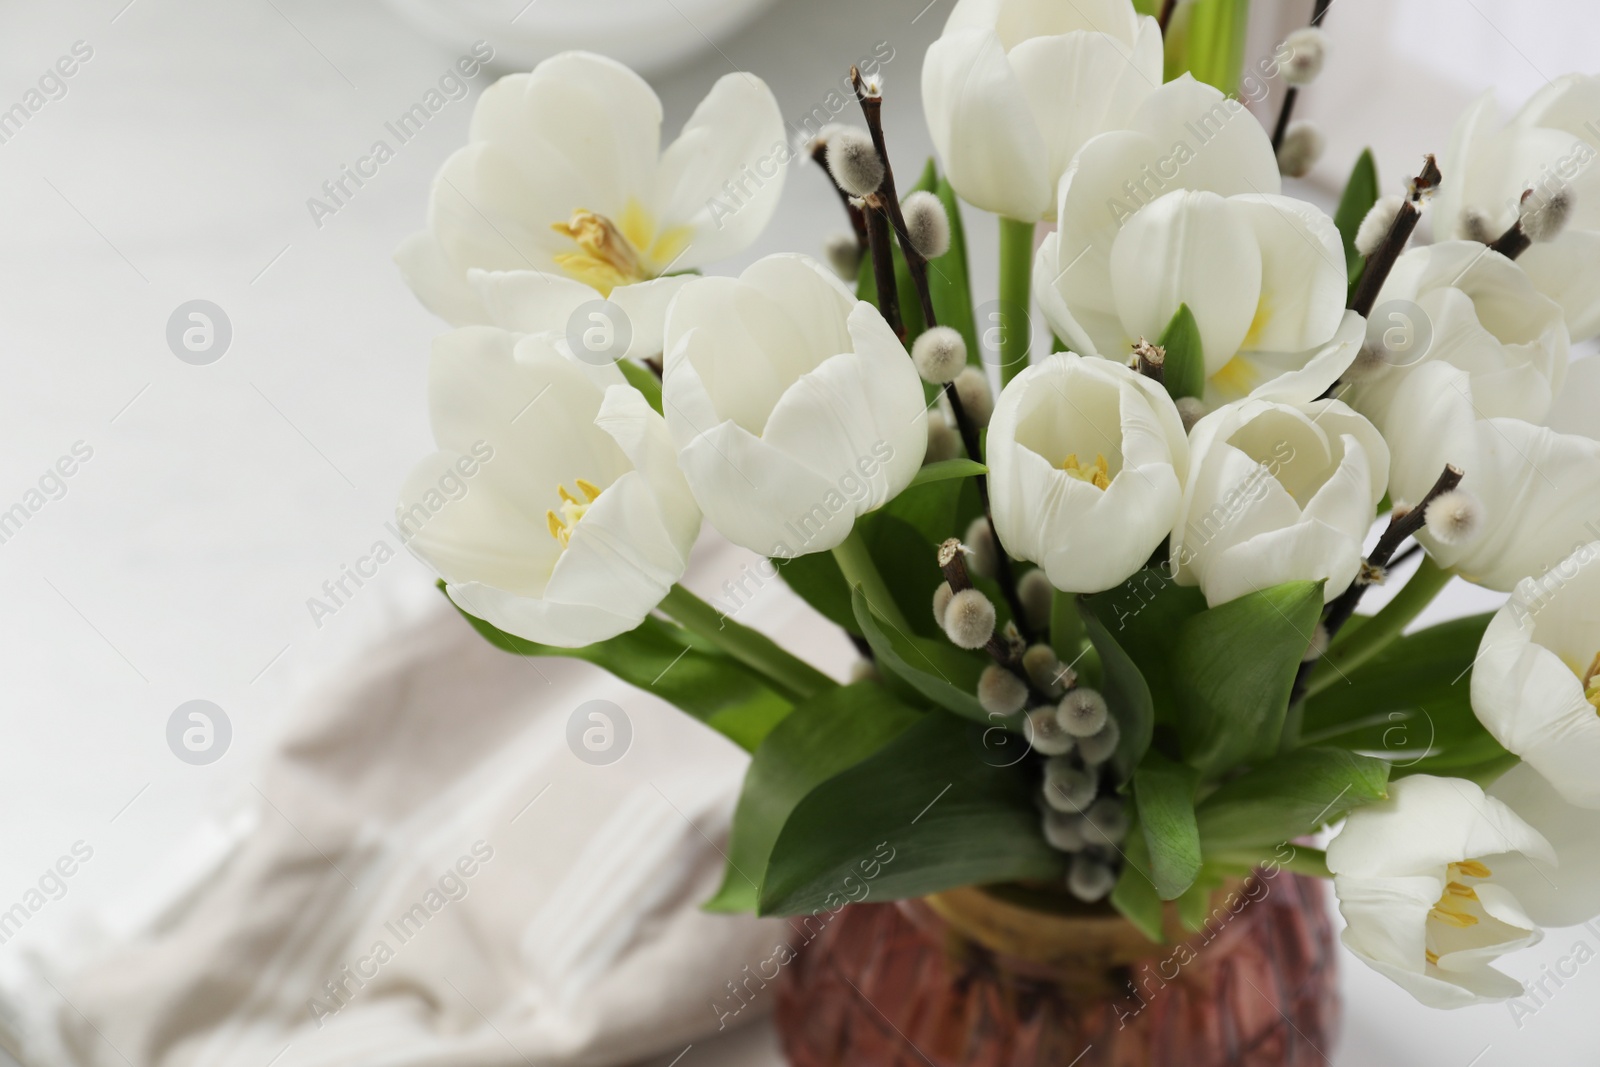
(1107, 617)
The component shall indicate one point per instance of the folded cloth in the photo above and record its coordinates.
(426, 874)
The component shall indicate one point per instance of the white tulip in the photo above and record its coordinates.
(1461, 304)
(564, 196)
(794, 407)
(1087, 460)
(1418, 878)
(580, 523)
(1536, 681)
(1549, 146)
(1277, 493)
(1183, 208)
(1566, 893)
(1012, 88)
(1540, 488)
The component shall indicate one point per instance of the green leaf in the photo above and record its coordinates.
(949, 282)
(1067, 633)
(1185, 369)
(663, 658)
(823, 736)
(1127, 696)
(927, 809)
(1163, 794)
(1194, 906)
(1292, 795)
(1134, 894)
(643, 379)
(1144, 614)
(1360, 193)
(933, 667)
(1238, 663)
(1213, 40)
(946, 469)
(816, 579)
(1429, 668)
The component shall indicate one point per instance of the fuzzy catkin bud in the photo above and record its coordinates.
(1544, 217)
(1303, 144)
(844, 255)
(969, 619)
(1037, 596)
(1474, 226)
(1043, 668)
(1103, 745)
(1106, 822)
(972, 386)
(1067, 786)
(1454, 518)
(1045, 732)
(1000, 692)
(927, 225)
(863, 670)
(1191, 410)
(982, 556)
(939, 354)
(1064, 831)
(1309, 47)
(853, 161)
(1319, 645)
(943, 441)
(1375, 227)
(1089, 879)
(941, 601)
(1083, 712)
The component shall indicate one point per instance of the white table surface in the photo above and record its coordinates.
(219, 498)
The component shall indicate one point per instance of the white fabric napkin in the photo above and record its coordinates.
(424, 874)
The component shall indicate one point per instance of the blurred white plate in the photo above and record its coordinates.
(652, 36)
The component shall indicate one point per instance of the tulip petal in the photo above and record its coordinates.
(1303, 276)
(437, 282)
(1563, 894)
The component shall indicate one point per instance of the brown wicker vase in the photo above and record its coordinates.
(1008, 978)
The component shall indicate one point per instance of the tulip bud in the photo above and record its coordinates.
(1191, 410)
(1303, 144)
(1083, 712)
(943, 441)
(982, 555)
(1043, 669)
(1310, 49)
(1089, 879)
(972, 386)
(1106, 822)
(927, 225)
(1454, 518)
(1103, 745)
(1037, 596)
(843, 252)
(1000, 692)
(969, 619)
(940, 354)
(1375, 227)
(854, 162)
(941, 601)
(1063, 830)
(1544, 217)
(1045, 732)
(1067, 786)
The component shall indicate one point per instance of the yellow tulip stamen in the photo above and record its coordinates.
(1453, 908)
(617, 253)
(1433, 957)
(572, 509)
(1098, 475)
(1591, 683)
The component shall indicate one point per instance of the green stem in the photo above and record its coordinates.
(792, 677)
(1016, 276)
(1380, 629)
(855, 563)
(1301, 860)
